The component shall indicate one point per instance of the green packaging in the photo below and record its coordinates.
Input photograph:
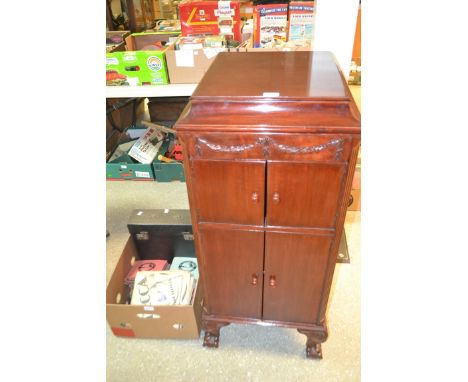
(126, 168)
(134, 68)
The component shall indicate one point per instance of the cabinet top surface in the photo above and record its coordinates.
(283, 75)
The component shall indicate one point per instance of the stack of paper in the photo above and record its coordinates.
(147, 146)
(186, 264)
(163, 288)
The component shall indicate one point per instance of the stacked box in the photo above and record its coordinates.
(136, 68)
(301, 22)
(211, 18)
(143, 63)
(122, 167)
(270, 25)
(125, 168)
(147, 321)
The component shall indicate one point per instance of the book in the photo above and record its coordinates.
(147, 146)
(270, 25)
(189, 43)
(189, 264)
(144, 265)
(301, 22)
(172, 287)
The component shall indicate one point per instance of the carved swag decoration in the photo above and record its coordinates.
(267, 142)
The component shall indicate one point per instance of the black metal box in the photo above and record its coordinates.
(162, 234)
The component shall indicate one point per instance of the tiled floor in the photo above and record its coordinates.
(246, 352)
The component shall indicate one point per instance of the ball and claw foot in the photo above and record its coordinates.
(212, 329)
(314, 340)
(211, 340)
(314, 351)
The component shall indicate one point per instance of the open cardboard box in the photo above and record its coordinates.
(141, 41)
(141, 63)
(144, 321)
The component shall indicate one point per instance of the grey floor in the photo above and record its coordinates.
(246, 352)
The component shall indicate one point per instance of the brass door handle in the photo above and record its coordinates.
(254, 279)
(254, 197)
(276, 197)
(272, 281)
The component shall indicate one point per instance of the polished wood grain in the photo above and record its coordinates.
(295, 295)
(271, 115)
(268, 178)
(292, 75)
(311, 199)
(339, 228)
(231, 192)
(234, 263)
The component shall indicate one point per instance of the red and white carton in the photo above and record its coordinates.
(210, 18)
(144, 265)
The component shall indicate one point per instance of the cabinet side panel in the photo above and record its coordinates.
(234, 263)
(339, 229)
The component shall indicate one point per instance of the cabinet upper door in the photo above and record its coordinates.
(232, 270)
(301, 194)
(295, 268)
(229, 192)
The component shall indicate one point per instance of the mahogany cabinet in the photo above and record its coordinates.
(270, 143)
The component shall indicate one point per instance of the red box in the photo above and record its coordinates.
(210, 18)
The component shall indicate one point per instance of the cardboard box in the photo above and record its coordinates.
(143, 321)
(167, 172)
(143, 63)
(150, 40)
(301, 21)
(133, 68)
(270, 25)
(210, 18)
(189, 66)
(115, 41)
(125, 168)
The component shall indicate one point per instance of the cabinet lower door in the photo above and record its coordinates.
(233, 265)
(295, 266)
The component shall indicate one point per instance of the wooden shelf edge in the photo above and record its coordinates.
(172, 90)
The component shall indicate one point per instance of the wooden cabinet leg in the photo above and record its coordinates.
(211, 329)
(314, 340)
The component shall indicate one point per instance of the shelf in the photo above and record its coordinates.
(173, 90)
